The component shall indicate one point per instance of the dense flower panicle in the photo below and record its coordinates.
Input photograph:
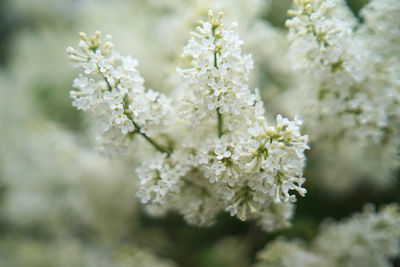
(160, 176)
(275, 214)
(381, 32)
(366, 239)
(284, 253)
(221, 153)
(355, 164)
(338, 59)
(212, 150)
(317, 42)
(349, 88)
(278, 154)
(381, 18)
(218, 73)
(114, 91)
(62, 187)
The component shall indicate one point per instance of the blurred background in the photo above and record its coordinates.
(64, 204)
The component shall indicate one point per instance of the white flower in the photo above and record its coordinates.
(365, 239)
(116, 104)
(118, 98)
(217, 153)
(213, 102)
(218, 167)
(207, 44)
(218, 87)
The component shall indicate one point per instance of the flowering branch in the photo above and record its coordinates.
(128, 113)
(151, 141)
(215, 24)
(248, 170)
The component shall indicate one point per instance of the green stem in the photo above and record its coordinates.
(151, 141)
(220, 122)
(108, 84)
(219, 115)
(137, 128)
(105, 79)
(215, 60)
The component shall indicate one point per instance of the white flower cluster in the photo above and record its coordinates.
(349, 89)
(62, 190)
(366, 239)
(218, 152)
(271, 72)
(341, 70)
(218, 75)
(284, 253)
(355, 164)
(113, 90)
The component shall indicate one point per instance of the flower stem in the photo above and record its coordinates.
(148, 139)
(138, 129)
(219, 115)
(220, 122)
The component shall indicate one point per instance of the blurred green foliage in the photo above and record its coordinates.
(56, 105)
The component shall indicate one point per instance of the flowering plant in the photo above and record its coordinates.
(213, 148)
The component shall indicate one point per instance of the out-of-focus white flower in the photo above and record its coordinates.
(366, 239)
(347, 91)
(345, 80)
